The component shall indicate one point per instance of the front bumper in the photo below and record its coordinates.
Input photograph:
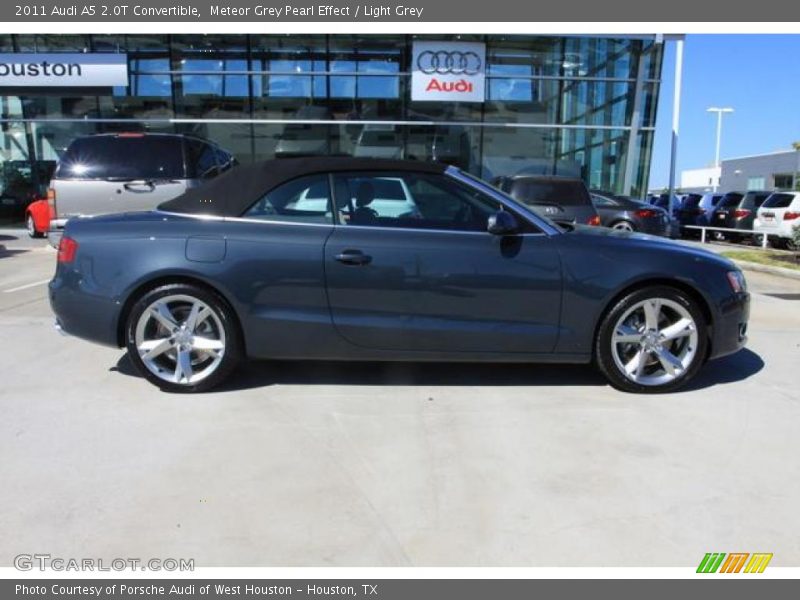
(730, 329)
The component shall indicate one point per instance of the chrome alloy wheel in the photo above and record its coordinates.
(180, 339)
(654, 341)
(623, 226)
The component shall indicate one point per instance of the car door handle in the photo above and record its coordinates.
(139, 186)
(353, 257)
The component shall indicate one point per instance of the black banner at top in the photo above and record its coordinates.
(448, 11)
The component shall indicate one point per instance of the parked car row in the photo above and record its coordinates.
(754, 214)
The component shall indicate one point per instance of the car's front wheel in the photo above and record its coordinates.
(183, 338)
(653, 340)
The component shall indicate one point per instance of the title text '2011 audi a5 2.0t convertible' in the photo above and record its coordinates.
(367, 259)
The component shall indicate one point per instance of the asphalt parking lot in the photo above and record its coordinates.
(329, 464)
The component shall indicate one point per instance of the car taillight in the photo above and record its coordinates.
(788, 216)
(67, 248)
(51, 199)
(740, 213)
(645, 213)
(594, 221)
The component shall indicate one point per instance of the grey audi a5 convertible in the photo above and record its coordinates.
(367, 259)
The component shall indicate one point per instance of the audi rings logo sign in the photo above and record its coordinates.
(448, 71)
(442, 62)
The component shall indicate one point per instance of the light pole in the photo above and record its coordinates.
(796, 178)
(719, 111)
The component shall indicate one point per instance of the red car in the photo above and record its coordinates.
(37, 217)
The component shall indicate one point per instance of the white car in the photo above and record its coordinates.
(379, 141)
(778, 216)
(392, 198)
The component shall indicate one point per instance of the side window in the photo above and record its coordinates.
(602, 201)
(411, 200)
(201, 160)
(303, 200)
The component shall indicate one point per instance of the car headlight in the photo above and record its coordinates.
(737, 281)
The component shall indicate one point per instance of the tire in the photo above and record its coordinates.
(624, 226)
(624, 340)
(164, 329)
(30, 225)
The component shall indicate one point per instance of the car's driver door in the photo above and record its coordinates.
(433, 279)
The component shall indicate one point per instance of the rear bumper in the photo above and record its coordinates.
(654, 227)
(56, 231)
(776, 230)
(83, 314)
(730, 328)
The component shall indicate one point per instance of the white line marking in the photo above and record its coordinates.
(26, 286)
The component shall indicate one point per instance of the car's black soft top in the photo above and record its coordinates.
(233, 192)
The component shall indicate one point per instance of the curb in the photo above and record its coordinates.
(780, 271)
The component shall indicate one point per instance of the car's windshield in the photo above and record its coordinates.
(778, 201)
(691, 201)
(730, 200)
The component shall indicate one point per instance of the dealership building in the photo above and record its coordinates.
(778, 171)
(491, 104)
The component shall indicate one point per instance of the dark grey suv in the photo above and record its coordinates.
(561, 199)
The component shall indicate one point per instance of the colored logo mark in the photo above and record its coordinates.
(734, 562)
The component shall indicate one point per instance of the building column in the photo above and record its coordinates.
(632, 154)
(676, 116)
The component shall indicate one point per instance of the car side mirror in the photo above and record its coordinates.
(502, 223)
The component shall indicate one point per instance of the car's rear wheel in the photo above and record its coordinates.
(30, 225)
(623, 226)
(183, 338)
(653, 340)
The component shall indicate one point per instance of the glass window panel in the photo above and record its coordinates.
(413, 200)
(303, 200)
(53, 43)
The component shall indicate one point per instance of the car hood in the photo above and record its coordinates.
(642, 241)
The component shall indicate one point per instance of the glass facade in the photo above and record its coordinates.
(582, 106)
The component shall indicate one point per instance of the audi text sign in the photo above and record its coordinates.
(64, 70)
(448, 72)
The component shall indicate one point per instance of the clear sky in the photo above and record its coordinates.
(757, 75)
